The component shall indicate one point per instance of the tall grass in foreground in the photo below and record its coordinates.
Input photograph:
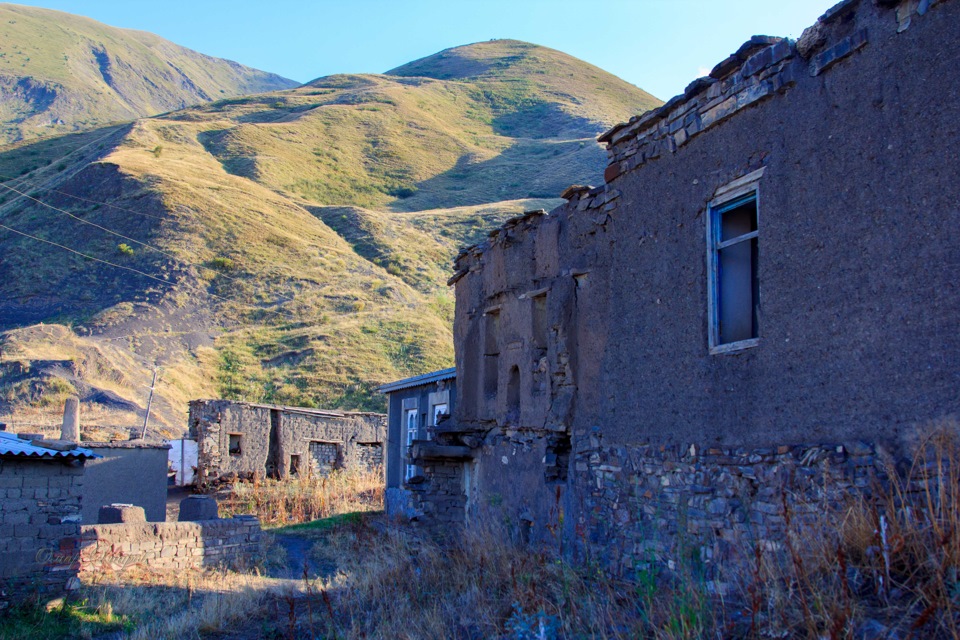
(306, 498)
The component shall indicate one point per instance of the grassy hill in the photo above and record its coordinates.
(60, 72)
(287, 247)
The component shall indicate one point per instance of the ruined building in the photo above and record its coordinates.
(242, 438)
(762, 295)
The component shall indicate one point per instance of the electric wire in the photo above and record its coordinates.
(143, 273)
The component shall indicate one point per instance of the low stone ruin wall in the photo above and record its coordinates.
(169, 545)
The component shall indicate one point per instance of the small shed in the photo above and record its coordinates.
(127, 471)
(41, 488)
(416, 406)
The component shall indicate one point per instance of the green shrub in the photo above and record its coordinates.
(125, 249)
(222, 264)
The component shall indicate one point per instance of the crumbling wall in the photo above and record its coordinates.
(169, 545)
(591, 322)
(39, 525)
(273, 441)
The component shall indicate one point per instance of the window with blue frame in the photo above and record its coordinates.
(734, 288)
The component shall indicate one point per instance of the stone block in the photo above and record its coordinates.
(120, 513)
(197, 508)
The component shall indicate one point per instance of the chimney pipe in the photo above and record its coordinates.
(71, 420)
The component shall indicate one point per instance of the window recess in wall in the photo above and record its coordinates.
(734, 290)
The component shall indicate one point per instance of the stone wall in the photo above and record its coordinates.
(666, 504)
(169, 545)
(273, 439)
(39, 524)
(441, 503)
(370, 455)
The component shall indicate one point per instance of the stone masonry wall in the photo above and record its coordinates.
(370, 456)
(659, 505)
(39, 524)
(270, 435)
(169, 545)
(442, 500)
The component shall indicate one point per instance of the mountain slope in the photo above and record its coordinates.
(60, 72)
(289, 247)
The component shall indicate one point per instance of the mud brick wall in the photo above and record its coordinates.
(169, 545)
(39, 525)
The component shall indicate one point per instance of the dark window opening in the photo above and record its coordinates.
(491, 333)
(491, 353)
(540, 322)
(557, 461)
(294, 465)
(490, 371)
(513, 396)
(234, 445)
(735, 283)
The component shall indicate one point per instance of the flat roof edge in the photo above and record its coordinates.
(416, 381)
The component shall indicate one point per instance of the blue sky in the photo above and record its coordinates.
(659, 45)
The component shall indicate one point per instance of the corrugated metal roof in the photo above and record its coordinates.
(416, 381)
(12, 445)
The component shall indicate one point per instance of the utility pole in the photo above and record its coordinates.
(146, 417)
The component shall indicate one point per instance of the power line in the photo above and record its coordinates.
(92, 224)
(89, 257)
(119, 235)
(142, 273)
(87, 200)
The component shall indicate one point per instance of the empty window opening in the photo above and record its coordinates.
(491, 333)
(513, 395)
(557, 459)
(540, 321)
(491, 368)
(294, 465)
(234, 444)
(734, 284)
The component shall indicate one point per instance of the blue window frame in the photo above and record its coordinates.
(734, 289)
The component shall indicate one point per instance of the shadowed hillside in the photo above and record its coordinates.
(288, 247)
(60, 72)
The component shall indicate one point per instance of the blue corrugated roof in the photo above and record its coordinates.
(13, 445)
(416, 381)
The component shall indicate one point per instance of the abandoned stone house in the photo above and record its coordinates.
(243, 438)
(40, 496)
(762, 295)
(415, 407)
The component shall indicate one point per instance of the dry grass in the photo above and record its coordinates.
(186, 604)
(880, 569)
(304, 499)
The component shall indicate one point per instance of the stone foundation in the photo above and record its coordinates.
(659, 505)
(169, 545)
